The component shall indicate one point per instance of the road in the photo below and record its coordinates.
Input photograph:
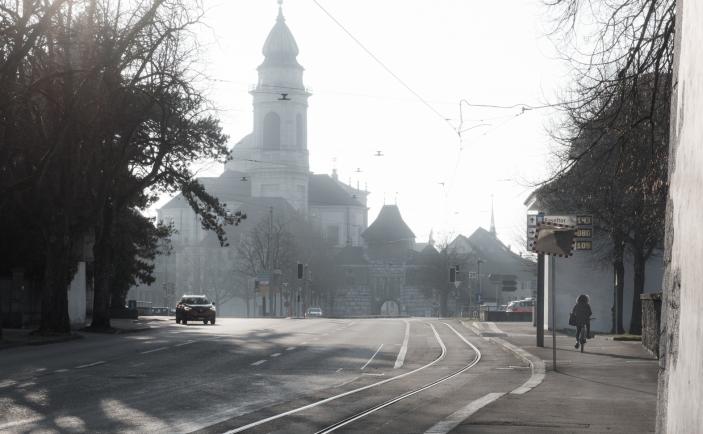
(259, 375)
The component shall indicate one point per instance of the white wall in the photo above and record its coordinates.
(76, 297)
(683, 398)
(582, 274)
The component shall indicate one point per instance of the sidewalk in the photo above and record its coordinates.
(20, 337)
(611, 388)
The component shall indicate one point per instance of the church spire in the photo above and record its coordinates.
(493, 222)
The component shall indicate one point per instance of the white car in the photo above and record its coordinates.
(313, 312)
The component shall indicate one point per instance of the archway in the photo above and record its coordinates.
(390, 308)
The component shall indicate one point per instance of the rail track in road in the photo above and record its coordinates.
(372, 409)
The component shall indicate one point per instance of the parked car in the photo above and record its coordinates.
(525, 305)
(313, 312)
(195, 308)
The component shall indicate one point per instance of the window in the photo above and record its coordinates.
(272, 131)
(332, 234)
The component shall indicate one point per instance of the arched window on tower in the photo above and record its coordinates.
(300, 133)
(272, 131)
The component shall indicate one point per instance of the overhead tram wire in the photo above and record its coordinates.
(386, 68)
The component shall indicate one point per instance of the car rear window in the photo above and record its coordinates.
(195, 300)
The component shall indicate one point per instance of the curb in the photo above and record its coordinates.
(536, 364)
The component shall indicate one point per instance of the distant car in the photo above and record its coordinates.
(525, 305)
(195, 308)
(313, 312)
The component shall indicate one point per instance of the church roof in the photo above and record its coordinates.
(280, 48)
(490, 249)
(325, 191)
(225, 187)
(389, 226)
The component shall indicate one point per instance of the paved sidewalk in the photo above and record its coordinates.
(611, 388)
(20, 337)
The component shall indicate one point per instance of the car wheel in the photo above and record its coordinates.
(212, 321)
(184, 321)
(178, 320)
(204, 321)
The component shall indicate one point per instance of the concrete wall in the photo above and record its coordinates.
(76, 297)
(681, 377)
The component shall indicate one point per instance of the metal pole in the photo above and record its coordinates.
(539, 304)
(554, 313)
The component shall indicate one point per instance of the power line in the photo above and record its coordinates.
(383, 65)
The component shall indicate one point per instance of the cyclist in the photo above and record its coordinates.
(582, 315)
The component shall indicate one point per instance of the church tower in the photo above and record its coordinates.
(278, 144)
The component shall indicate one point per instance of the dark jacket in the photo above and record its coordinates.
(582, 312)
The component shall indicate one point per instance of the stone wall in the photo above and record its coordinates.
(651, 320)
(355, 301)
(414, 303)
(681, 366)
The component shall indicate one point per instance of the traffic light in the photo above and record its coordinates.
(300, 271)
(509, 284)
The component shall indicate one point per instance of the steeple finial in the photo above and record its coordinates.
(280, 9)
(493, 222)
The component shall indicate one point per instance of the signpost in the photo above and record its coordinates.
(555, 235)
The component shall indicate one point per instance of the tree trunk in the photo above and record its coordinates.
(619, 268)
(102, 253)
(639, 269)
(101, 291)
(58, 272)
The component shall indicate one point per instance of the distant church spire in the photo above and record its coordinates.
(493, 222)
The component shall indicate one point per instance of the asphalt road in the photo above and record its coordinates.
(258, 375)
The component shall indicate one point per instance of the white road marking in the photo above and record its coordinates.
(339, 370)
(8, 383)
(454, 419)
(536, 364)
(374, 355)
(404, 349)
(275, 354)
(257, 363)
(290, 348)
(350, 392)
(304, 343)
(154, 350)
(88, 365)
(411, 393)
(184, 343)
(60, 371)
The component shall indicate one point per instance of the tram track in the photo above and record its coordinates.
(389, 402)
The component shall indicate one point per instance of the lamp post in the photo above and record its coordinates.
(478, 275)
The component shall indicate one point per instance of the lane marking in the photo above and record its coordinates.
(339, 370)
(60, 371)
(88, 365)
(536, 364)
(403, 349)
(369, 411)
(304, 343)
(290, 348)
(257, 363)
(374, 355)
(184, 343)
(154, 350)
(350, 392)
(275, 354)
(454, 419)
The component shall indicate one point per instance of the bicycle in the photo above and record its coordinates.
(580, 338)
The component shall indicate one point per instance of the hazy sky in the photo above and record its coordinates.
(486, 52)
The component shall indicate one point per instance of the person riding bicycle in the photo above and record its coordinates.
(582, 316)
